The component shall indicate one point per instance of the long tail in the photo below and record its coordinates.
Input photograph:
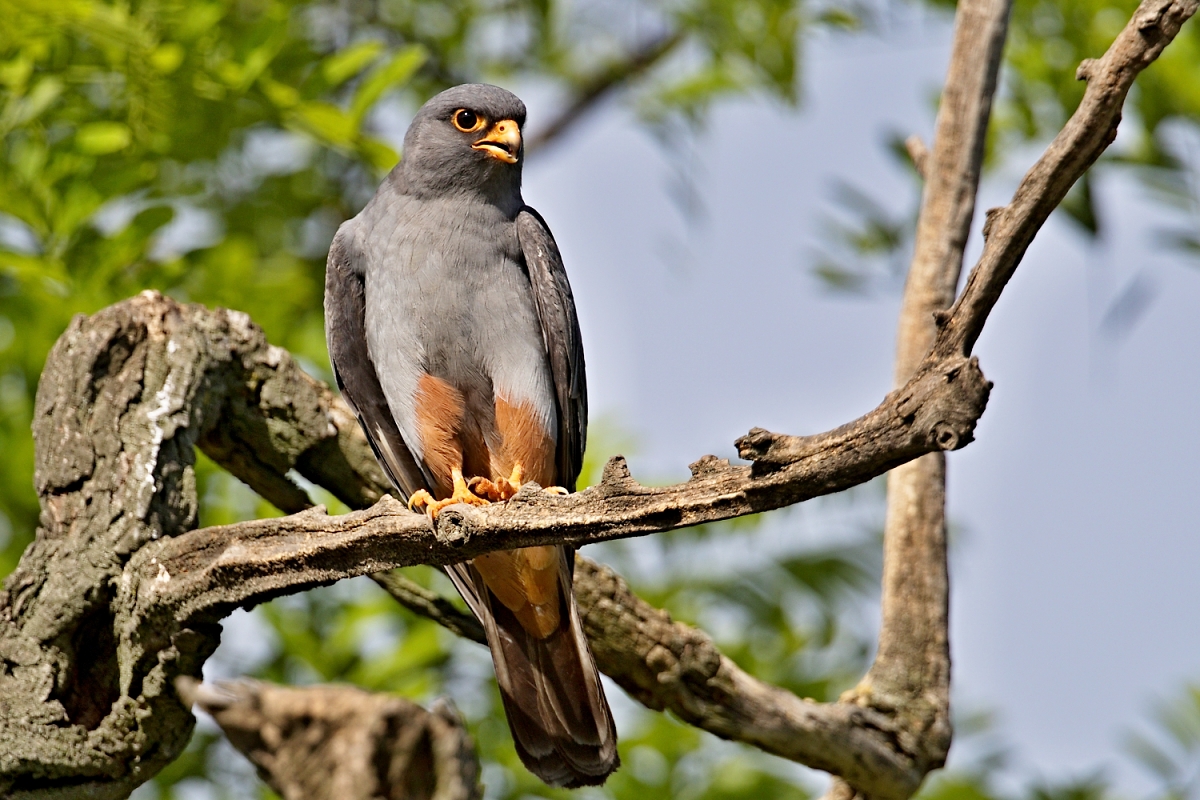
(556, 709)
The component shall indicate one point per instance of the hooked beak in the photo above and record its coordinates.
(502, 141)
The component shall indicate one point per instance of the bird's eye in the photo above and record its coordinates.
(466, 121)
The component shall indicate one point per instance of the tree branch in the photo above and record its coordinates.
(431, 605)
(116, 598)
(911, 672)
(595, 88)
(213, 570)
(1089, 131)
(341, 742)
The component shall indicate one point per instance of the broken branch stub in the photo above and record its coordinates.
(125, 397)
(343, 743)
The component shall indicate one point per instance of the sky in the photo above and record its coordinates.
(1073, 512)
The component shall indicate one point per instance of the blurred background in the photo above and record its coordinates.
(727, 184)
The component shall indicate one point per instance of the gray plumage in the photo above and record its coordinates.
(446, 274)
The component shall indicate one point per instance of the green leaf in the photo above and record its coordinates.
(282, 95)
(167, 58)
(21, 111)
(345, 64)
(1080, 205)
(395, 72)
(325, 121)
(100, 138)
(380, 154)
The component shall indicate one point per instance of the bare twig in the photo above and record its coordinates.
(595, 88)
(431, 605)
(919, 153)
(1089, 131)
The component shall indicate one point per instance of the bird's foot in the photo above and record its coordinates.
(499, 489)
(504, 488)
(462, 494)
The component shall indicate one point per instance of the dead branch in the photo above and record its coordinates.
(341, 742)
(1087, 134)
(911, 672)
(119, 595)
(593, 89)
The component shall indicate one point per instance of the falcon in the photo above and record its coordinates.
(453, 336)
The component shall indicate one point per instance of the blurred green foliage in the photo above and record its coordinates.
(209, 148)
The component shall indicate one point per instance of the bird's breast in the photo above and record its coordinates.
(447, 295)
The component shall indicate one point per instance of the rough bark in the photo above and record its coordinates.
(119, 595)
(87, 705)
(341, 742)
(911, 672)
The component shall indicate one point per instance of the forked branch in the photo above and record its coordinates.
(119, 595)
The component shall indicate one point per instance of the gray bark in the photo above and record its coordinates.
(344, 743)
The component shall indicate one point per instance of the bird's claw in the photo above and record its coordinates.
(420, 498)
(462, 494)
(500, 488)
(478, 491)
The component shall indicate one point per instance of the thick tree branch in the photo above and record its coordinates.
(911, 672)
(341, 742)
(210, 571)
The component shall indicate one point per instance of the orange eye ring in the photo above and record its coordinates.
(467, 121)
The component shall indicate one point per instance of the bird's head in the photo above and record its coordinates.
(466, 139)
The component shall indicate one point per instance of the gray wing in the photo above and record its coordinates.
(560, 332)
(345, 334)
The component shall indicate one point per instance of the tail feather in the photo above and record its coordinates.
(556, 709)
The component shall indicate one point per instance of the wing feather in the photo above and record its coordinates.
(560, 333)
(345, 333)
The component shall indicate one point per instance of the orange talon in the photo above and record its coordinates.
(419, 498)
(462, 494)
(484, 488)
(501, 488)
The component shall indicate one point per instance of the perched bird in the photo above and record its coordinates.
(453, 335)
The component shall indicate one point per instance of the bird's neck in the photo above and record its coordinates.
(499, 186)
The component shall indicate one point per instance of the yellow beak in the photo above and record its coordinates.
(502, 141)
